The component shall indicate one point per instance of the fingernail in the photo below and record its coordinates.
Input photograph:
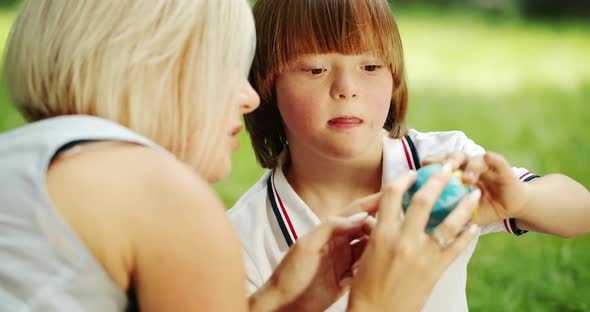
(371, 220)
(447, 167)
(358, 217)
(475, 195)
(469, 176)
(473, 229)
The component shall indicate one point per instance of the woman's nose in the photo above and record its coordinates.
(249, 99)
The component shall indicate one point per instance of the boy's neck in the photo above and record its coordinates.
(328, 186)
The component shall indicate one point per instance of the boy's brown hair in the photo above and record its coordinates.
(287, 29)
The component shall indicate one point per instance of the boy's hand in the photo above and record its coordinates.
(503, 194)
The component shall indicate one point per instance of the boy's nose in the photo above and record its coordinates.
(343, 96)
(343, 88)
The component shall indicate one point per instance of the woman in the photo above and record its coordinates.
(134, 107)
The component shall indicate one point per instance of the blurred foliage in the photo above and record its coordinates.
(536, 9)
(9, 3)
(556, 9)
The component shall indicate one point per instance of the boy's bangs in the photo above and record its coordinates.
(345, 27)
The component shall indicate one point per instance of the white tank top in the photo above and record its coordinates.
(44, 266)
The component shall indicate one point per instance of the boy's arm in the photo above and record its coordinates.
(555, 204)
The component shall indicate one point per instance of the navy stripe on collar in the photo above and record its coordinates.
(410, 152)
(280, 211)
(277, 213)
(414, 152)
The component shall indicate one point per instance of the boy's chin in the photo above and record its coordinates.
(345, 152)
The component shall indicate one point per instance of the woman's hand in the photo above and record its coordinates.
(401, 262)
(317, 269)
(503, 194)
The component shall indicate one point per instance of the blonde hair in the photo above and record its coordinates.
(287, 29)
(163, 68)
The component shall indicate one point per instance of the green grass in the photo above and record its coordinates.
(517, 88)
(9, 118)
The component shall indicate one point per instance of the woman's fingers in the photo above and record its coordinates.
(391, 201)
(352, 226)
(459, 244)
(457, 159)
(369, 204)
(409, 256)
(456, 221)
(418, 212)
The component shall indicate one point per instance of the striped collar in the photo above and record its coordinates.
(295, 218)
(280, 211)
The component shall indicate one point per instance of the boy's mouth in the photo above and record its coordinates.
(345, 122)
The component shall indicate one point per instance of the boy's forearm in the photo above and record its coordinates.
(556, 205)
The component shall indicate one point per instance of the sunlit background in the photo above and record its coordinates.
(514, 75)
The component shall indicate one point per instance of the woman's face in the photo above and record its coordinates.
(244, 101)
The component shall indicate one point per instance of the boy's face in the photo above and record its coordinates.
(334, 105)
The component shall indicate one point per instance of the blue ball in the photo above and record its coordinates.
(448, 200)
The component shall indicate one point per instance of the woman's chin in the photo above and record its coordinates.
(220, 171)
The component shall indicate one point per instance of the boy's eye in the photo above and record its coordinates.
(316, 71)
(372, 68)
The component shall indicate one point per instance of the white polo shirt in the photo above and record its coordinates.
(271, 216)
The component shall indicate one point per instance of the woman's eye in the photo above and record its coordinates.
(372, 68)
(316, 71)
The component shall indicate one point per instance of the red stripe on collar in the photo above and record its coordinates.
(283, 209)
(408, 155)
(522, 176)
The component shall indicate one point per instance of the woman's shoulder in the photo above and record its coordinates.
(124, 171)
(173, 238)
(119, 195)
(129, 181)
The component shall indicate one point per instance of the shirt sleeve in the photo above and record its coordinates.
(440, 143)
(508, 225)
